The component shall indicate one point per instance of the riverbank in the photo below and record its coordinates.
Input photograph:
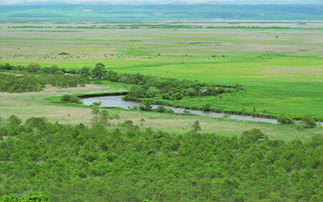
(39, 104)
(110, 100)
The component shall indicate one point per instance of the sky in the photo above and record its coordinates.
(3, 2)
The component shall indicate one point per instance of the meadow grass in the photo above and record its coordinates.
(281, 71)
(43, 104)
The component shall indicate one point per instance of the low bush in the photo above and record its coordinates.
(309, 122)
(72, 99)
(163, 109)
(283, 119)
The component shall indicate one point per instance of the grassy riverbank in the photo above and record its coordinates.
(39, 104)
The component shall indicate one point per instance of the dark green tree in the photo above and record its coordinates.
(33, 67)
(196, 126)
(99, 71)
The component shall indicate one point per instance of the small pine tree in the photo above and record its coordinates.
(196, 126)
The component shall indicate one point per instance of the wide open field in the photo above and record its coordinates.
(280, 67)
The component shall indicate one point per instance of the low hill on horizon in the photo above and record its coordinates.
(112, 12)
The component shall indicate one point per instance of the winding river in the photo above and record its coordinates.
(117, 101)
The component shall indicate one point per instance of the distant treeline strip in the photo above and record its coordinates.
(145, 86)
(30, 82)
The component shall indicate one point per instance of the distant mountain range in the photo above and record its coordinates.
(111, 12)
(162, 1)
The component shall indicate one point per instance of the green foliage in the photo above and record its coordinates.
(196, 126)
(63, 53)
(96, 104)
(145, 86)
(186, 111)
(70, 98)
(283, 119)
(11, 83)
(26, 83)
(33, 67)
(309, 122)
(206, 108)
(13, 120)
(29, 198)
(152, 92)
(80, 163)
(54, 69)
(145, 107)
(254, 136)
(163, 109)
(167, 88)
(102, 118)
(85, 72)
(99, 72)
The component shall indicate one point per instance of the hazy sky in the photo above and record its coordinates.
(161, 1)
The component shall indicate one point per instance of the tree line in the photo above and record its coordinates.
(34, 78)
(145, 86)
(30, 83)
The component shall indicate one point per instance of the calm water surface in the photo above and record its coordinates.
(117, 101)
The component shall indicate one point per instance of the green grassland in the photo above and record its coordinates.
(280, 70)
(40, 104)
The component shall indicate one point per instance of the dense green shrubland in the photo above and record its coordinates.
(126, 163)
(71, 98)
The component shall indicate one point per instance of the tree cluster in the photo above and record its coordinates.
(71, 98)
(151, 86)
(166, 88)
(30, 83)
